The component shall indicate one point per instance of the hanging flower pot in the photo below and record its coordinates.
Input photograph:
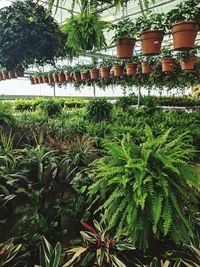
(118, 70)
(68, 77)
(1, 76)
(85, 76)
(131, 69)
(94, 74)
(40, 78)
(151, 42)
(146, 68)
(36, 80)
(20, 73)
(32, 80)
(188, 63)
(184, 35)
(5, 75)
(11, 74)
(77, 76)
(125, 47)
(105, 72)
(61, 77)
(167, 64)
(55, 78)
(50, 79)
(45, 79)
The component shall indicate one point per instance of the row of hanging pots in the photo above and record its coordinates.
(5, 75)
(184, 36)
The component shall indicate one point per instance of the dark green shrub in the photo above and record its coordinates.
(125, 101)
(6, 117)
(51, 107)
(99, 109)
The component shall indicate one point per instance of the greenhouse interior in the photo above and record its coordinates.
(100, 133)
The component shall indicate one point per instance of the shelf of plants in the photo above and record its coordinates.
(97, 183)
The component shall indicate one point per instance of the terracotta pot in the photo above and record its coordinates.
(118, 70)
(5, 75)
(1, 76)
(36, 80)
(94, 74)
(85, 76)
(50, 79)
(167, 64)
(55, 78)
(32, 80)
(105, 72)
(125, 47)
(20, 73)
(77, 76)
(151, 42)
(16, 74)
(184, 35)
(146, 68)
(45, 79)
(61, 77)
(40, 79)
(68, 77)
(131, 69)
(11, 74)
(188, 64)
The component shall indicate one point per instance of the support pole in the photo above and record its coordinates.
(94, 90)
(54, 90)
(139, 96)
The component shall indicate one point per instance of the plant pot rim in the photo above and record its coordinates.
(94, 70)
(126, 38)
(152, 31)
(167, 57)
(133, 63)
(185, 22)
(105, 68)
(117, 66)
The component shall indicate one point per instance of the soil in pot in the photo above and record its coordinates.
(146, 68)
(184, 35)
(125, 47)
(167, 64)
(131, 69)
(11, 74)
(61, 77)
(188, 64)
(105, 72)
(118, 70)
(94, 74)
(85, 76)
(55, 78)
(77, 76)
(151, 42)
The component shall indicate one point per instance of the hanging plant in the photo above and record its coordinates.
(85, 32)
(167, 60)
(27, 36)
(187, 59)
(151, 28)
(184, 21)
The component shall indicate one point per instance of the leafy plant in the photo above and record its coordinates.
(185, 55)
(98, 248)
(99, 109)
(85, 31)
(51, 107)
(146, 189)
(123, 29)
(21, 40)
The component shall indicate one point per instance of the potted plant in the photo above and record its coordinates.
(84, 70)
(20, 73)
(12, 74)
(94, 70)
(184, 22)
(61, 75)
(151, 27)
(105, 67)
(124, 38)
(131, 65)
(118, 68)
(187, 59)
(85, 31)
(167, 60)
(50, 77)
(32, 80)
(76, 73)
(45, 77)
(68, 73)
(5, 74)
(147, 64)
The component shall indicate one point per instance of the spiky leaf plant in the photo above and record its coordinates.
(146, 189)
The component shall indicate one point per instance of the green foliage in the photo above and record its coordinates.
(21, 40)
(6, 117)
(99, 109)
(146, 188)
(98, 248)
(50, 107)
